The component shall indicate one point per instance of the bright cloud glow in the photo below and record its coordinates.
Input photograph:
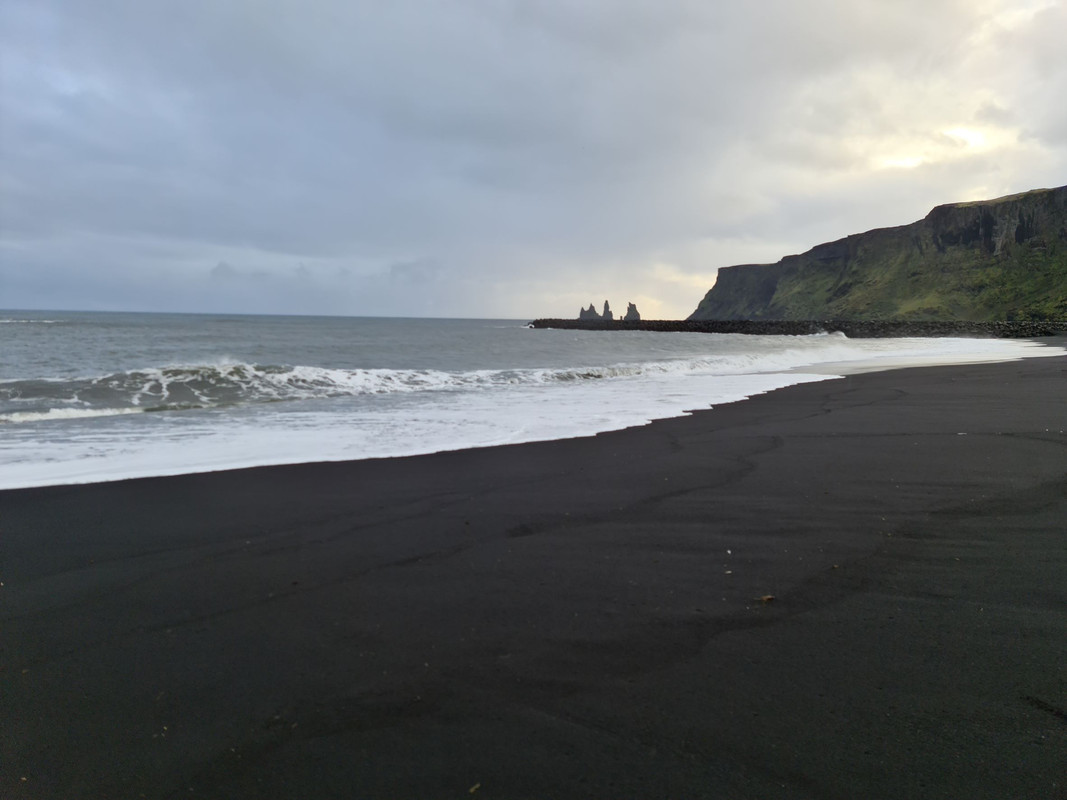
(901, 162)
(957, 143)
(969, 137)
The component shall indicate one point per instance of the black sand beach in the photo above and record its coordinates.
(590, 618)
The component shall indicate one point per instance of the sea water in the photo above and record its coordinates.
(90, 397)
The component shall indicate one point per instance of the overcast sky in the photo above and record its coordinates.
(493, 158)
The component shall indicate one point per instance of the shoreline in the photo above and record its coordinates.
(854, 329)
(77, 473)
(571, 618)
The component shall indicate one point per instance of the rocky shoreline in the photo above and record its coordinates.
(854, 329)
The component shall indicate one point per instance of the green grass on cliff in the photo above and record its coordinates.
(1006, 199)
(998, 260)
(1025, 284)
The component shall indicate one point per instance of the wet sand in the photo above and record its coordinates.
(854, 588)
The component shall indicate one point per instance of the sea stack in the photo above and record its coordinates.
(632, 314)
(588, 313)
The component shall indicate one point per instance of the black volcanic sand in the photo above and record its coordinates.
(583, 618)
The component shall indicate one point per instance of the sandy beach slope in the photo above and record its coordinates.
(855, 588)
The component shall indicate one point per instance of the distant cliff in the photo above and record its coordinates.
(1003, 259)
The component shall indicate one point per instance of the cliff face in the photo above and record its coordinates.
(991, 260)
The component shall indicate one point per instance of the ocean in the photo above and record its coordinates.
(87, 397)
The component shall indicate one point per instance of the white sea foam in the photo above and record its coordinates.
(55, 414)
(183, 387)
(226, 413)
(230, 383)
(463, 420)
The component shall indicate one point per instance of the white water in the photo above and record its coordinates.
(244, 401)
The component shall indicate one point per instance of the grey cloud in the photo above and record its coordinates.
(223, 271)
(493, 144)
(993, 113)
(227, 273)
(415, 272)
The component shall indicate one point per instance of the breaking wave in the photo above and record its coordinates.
(207, 386)
(218, 385)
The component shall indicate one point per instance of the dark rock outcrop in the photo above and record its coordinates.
(632, 314)
(588, 313)
(1003, 259)
(854, 329)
